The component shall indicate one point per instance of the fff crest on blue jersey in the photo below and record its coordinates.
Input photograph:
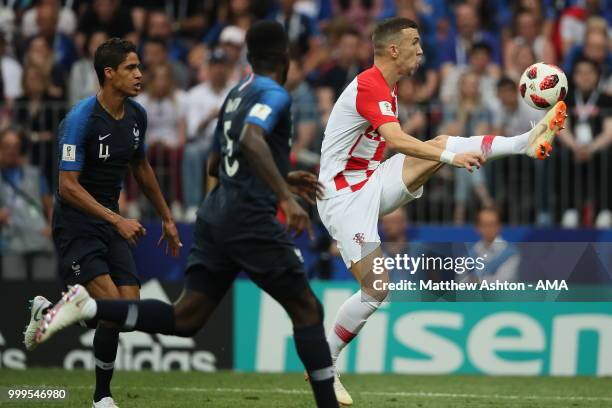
(136, 133)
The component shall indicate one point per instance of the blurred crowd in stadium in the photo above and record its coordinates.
(193, 52)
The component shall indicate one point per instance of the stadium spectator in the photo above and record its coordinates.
(361, 13)
(40, 55)
(304, 108)
(596, 47)
(238, 13)
(66, 18)
(10, 77)
(165, 107)
(337, 74)
(572, 23)
(231, 41)
(412, 116)
(480, 64)
(303, 32)
(511, 116)
(455, 48)
(155, 52)
(202, 108)
(40, 113)
(105, 15)
(25, 214)
(159, 25)
(521, 59)
(501, 259)
(83, 81)
(64, 52)
(589, 136)
(528, 31)
(469, 116)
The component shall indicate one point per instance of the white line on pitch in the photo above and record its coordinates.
(373, 393)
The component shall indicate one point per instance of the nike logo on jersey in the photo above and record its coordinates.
(103, 137)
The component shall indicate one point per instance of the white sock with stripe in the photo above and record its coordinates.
(491, 146)
(351, 317)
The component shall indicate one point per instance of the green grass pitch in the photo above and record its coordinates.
(229, 389)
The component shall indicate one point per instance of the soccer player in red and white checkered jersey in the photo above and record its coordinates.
(360, 187)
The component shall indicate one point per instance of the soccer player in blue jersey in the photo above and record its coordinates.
(236, 228)
(99, 139)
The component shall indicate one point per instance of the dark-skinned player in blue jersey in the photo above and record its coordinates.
(236, 229)
(99, 139)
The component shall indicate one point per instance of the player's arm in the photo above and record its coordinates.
(374, 104)
(213, 161)
(73, 193)
(145, 177)
(411, 146)
(72, 139)
(255, 149)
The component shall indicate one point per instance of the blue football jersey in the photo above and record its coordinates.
(100, 147)
(242, 195)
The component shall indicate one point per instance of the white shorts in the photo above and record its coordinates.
(352, 218)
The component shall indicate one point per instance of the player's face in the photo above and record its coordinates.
(127, 78)
(409, 52)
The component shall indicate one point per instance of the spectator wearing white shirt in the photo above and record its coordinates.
(66, 22)
(165, 107)
(202, 107)
(11, 72)
(83, 81)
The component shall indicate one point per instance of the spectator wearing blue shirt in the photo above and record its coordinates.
(305, 112)
(303, 33)
(25, 212)
(454, 50)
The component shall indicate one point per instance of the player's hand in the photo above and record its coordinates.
(297, 219)
(306, 185)
(130, 229)
(171, 235)
(469, 161)
(4, 216)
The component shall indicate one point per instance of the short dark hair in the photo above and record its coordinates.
(493, 209)
(481, 46)
(157, 40)
(388, 29)
(588, 61)
(267, 45)
(110, 54)
(506, 81)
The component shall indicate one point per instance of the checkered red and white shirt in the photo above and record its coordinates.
(352, 148)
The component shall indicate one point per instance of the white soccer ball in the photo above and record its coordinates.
(543, 85)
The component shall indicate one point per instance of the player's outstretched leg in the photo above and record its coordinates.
(184, 318)
(537, 143)
(306, 315)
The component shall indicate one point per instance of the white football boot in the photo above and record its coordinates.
(76, 305)
(543, 133)
(37, 305)
(106, 402)
(342, 395)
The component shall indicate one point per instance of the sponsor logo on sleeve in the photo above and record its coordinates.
(260, 111)
(69, 153)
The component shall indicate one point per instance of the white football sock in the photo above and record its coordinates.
(351, 317)
(491, 146)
